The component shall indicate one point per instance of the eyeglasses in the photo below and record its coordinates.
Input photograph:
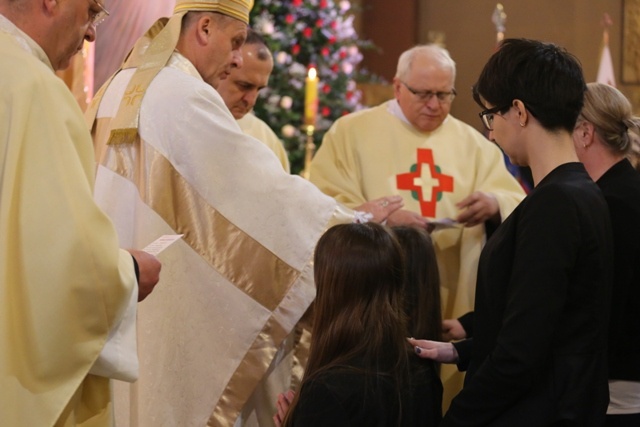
(97, 17)
(487, 115)
(426, 95)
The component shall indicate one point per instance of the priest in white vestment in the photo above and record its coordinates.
(172, 159)
(65, 286)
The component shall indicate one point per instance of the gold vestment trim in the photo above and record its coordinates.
(234, 254)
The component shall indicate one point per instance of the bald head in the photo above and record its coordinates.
(240, 90)
(258, 42)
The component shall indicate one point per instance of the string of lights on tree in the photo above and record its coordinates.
(304, 33)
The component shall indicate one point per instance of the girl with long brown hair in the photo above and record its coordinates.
(358, 369)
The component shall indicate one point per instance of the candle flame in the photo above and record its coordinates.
(312, 73)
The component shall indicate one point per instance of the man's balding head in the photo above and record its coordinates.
(240, 89)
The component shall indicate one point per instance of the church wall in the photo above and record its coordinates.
(393, 26)
(466, 28)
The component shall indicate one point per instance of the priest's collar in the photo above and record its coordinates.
(25, 42)
(393, 107)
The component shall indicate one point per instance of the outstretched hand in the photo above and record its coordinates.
(381, 208)
(443, 352)
(404, 217)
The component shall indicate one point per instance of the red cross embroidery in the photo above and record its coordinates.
(425, 182)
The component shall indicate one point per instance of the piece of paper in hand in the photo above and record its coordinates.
(161, 243)
(441, 224)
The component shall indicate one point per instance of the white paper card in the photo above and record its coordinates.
(161, 243)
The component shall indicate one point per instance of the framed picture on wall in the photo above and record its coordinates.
(631, 42)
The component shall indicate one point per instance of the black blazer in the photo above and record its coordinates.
(541, 312)
(621, 188)
(351, 396)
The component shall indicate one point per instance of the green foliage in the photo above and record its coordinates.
(301, 33)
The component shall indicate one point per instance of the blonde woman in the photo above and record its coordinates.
(603, 143)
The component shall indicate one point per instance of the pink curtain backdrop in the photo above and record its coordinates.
(129, 20)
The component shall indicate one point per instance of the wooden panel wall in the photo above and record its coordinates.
(470, 35)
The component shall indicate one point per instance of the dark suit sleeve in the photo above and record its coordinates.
(466, 320)
(464, 349)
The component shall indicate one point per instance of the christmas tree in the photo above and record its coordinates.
(303, 33)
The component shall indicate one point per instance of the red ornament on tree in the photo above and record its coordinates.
(310, 31)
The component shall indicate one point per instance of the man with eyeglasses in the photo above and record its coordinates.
(443, 168)
(67, 292)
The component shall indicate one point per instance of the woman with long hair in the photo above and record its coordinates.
(358, 369)
(422, 303)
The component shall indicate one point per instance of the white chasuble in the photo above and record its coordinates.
(64, 282)
(240, 279)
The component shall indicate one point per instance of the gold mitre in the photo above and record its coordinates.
(151, 53)
(238, 9)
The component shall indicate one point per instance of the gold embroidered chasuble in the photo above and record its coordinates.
(238, 282)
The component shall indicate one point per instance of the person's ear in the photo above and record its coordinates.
(49, 5)
(521, 109)
(586, 132)
(204, 26)
(396, 87)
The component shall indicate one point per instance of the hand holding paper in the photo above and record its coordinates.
(148, 265)
(149, 272)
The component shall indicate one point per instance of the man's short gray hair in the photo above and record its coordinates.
(433, 51)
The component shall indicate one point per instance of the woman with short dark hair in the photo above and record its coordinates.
(538, 354)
